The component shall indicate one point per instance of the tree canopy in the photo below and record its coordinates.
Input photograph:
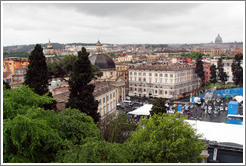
(222, 76)
(237, 69)
(81, 90)
(164, 139)
(37, 74)
(199, 69)
(213, 74)
(159, 106)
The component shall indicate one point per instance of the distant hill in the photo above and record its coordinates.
(29, 48)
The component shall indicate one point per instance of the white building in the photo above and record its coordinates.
(166, 81)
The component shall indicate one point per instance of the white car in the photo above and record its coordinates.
(170, 112)
(221, 108)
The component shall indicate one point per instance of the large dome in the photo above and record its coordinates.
(218, 39)
(102, 61)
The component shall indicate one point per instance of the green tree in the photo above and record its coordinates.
(81, 90)
(237, 69)
(94, 151)
(63, 68)
(213, 74)
(32, 134)
(165, 139)
(159, 106)
(117, 128)
(199, 69)
(37, 74)
(19, 100)
(222, 76)
(6, 85)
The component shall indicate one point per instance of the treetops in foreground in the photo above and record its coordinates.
(32, 134)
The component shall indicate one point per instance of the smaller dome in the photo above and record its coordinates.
(98, 43)
(103, 61)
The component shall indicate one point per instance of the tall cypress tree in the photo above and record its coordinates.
(81, 92)
(237, 69)
(37, 74)
(213, 75)
(199, 69)
(222, 76)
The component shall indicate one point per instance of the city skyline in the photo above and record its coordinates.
(122, 23)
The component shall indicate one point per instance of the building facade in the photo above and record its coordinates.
(162, 80)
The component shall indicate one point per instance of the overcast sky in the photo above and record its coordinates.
(122, 23)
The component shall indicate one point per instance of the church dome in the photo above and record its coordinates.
(103, 61)
(218, 39)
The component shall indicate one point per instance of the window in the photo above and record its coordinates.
(130, 78)
(130, 73)
(165, 92)
(107, 97)
(171, 81)
(139, 79)
(160, 91)
(156, 80)
(103, 99)
(135, 73)
(99, 102)
(144, 90)
(171, 75)
(155, 91)
(144, 79)
(150, 74)
(135, 78)
(165, 80)
(150, 80)
(107, 109)
(144, 74)
(166, 75)
(156, 74)
(111, 73)
(139, 74)
(111, 96)
(140, 89)
(160, 75)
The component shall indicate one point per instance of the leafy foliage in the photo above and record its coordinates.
(32, 134)
(6, 85)
(199, 69)
(63, 68)
(15, 54)
(222, 76)
(37, 73)
(159, 106)
(81, 91)
(17, 101)
(164, 139)
(213, 74)
(95, 152)
(237, 70)
(193, 55)
(117, 129)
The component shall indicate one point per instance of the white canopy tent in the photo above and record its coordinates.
(144, 110)
(239, 98)
(220, 132)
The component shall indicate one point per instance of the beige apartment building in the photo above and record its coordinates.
(166, 81)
